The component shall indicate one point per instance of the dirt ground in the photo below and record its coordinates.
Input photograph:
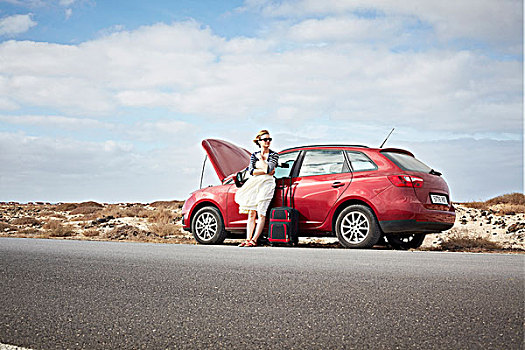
(476, 229)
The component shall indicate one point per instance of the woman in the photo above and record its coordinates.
(255, 195)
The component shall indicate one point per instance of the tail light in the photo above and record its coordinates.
(406, 181)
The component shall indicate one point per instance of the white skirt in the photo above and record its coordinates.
(256, 194)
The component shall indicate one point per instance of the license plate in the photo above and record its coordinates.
(438, 199)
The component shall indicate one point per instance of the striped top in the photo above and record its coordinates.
(273, 158)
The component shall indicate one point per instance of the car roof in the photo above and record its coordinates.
(394, 150)
(313, 146)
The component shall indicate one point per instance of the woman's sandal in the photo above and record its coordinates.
(251, 244)
(244, 244)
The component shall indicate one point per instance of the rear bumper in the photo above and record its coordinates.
(414, 226)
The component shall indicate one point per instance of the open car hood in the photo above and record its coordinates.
(225, 157)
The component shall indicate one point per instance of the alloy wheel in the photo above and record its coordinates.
(206, 226)
(355, 227)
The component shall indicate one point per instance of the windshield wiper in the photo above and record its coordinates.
(433, 172)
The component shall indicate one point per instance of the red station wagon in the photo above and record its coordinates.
(357, 193)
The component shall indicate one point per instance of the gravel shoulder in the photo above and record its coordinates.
(160, 222)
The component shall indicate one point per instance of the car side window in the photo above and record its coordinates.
(360, 162)
(288, 159)
(322, 162)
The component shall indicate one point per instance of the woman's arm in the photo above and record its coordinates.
(273, 160)
(268, 165)
(251, 167)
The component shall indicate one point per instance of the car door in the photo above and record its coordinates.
(282, 173)
(287, 164)
(324, 174)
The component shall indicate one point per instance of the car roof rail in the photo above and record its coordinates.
(308, 146)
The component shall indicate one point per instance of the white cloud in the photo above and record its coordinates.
(498, 23)
(341, 77)
(54, 121)
(188, 69)
(345, 29)
(157, 130)
(68, 13)
(64, 169)
(16, 24)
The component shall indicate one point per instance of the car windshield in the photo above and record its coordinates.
(407, 162)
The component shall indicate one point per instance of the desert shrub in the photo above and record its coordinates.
(54, 228)
(163, 216)
(135, 211)
(510, 198)
(126, 232)
(85, 210)
(26, 220)
(477, 205)
(91, 232)
(163, 230)
(90, 204)
(119, 212)
(167, 204)
(58, 216)
(66, 206)
(460, 243)
(510, 209)
(510, 203)
(4, 226)
(29, 231)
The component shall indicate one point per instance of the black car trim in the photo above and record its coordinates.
(413, 226)
(308, 146)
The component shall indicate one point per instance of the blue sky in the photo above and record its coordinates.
(109, 100)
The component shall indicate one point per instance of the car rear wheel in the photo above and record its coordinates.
(208, 227)
(357, 227)
(406, 241)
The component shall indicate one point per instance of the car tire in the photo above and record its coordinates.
(357, 227)
(406, 241)
(208, 226)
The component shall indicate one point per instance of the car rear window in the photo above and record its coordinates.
(407, 162)
(360, 162)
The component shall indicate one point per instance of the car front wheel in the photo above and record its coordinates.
(406, 241)
(208, 227)
(357, 227)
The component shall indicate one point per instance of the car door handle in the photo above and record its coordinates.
(337, 184)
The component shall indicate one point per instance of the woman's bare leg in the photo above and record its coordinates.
(252, 214)
(260, 227)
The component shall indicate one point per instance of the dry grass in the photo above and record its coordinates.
(510, 198)
(163, 230)
(4, 226)
(91, 232)
(163, 223)
(477, 205)
(162, 216)
(29, 231)
(73, 206)
(120, 212)
(510, 209)
(85, 210)
(167, 204)
(54, 228)
(506, 204)
(26, 220)
(127, 232)
(66, 206)
(459, 241)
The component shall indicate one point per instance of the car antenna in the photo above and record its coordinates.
(202, 173)
(391, 131)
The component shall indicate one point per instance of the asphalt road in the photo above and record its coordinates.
(103, 295)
